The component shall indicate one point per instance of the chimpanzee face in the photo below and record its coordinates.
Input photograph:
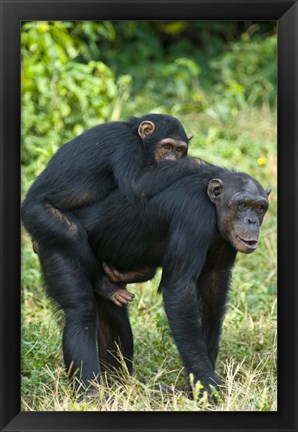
(241, 204)
(170, 149)
(164, 143)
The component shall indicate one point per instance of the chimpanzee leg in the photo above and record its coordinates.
(68, 285)
(115, 339)
(60, 231)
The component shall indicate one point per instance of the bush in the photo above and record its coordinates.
(62, 94)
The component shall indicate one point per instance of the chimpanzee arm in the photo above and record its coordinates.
(183, 309)
(128, 164)
(213, 288)
(157, 178)
(183, 304)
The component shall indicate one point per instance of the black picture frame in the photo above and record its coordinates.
(12, 13)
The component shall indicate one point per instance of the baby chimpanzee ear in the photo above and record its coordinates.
(146, 128)
(268, 192)
(215, 189)
(189, 137)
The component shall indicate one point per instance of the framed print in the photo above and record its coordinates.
(128, 85)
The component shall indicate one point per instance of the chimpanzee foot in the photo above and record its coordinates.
(121, 297)
(115, 292)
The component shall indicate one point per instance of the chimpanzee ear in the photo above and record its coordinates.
(268, 192)
(215, 189)
(189, 137)
(146, 128)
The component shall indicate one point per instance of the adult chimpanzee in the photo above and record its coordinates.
(86, 169)
(193, 229)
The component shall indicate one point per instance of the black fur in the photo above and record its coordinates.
(84, 171)
(176, 230)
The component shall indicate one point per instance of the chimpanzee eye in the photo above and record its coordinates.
(242, 206)
(260, 208)
(167, 147)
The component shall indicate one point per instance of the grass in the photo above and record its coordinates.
(247, 357)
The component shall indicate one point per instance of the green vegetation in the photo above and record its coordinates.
(219, 79)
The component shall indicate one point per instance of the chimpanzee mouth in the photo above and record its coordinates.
(250, 243)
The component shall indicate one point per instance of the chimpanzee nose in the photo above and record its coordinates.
(252, 220)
